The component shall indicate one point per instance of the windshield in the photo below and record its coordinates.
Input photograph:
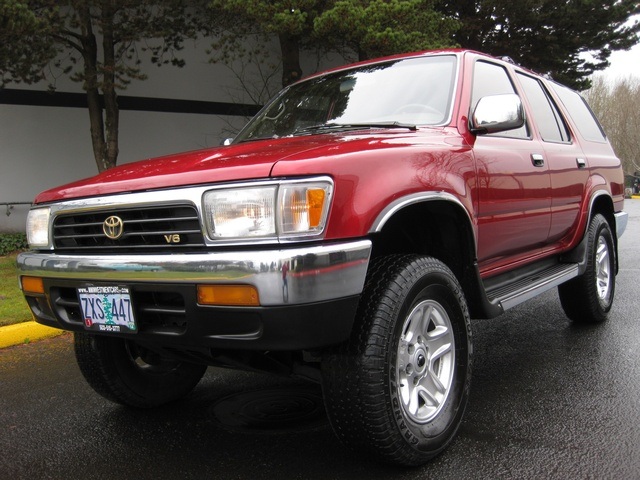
(414, 91)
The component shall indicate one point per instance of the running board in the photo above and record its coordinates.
(512, 294)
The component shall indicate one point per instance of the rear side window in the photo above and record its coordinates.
(581, 114)
(492, 79)
(548, 119)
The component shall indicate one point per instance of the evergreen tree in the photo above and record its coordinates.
(368, 28)
(24, 47)
(384, 27)
(291, 22)
(548, 36)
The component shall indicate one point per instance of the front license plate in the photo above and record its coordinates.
(107, 309)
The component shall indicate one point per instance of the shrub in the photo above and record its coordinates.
(12, 242)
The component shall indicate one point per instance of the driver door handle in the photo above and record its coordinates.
(537, 160)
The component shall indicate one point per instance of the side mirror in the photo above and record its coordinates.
(497, 113)
(226, 141)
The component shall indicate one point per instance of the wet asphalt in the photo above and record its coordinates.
(549, 400)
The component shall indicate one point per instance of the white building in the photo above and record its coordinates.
(45, 139)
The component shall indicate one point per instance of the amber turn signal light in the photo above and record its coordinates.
(32, 285)
(228, 295)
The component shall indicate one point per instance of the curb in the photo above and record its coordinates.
(25, 332)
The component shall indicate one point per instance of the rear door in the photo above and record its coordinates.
(566, 161)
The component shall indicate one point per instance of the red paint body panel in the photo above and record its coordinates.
(372, 170)
(223, 164)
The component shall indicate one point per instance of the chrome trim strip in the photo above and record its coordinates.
(312, 274)
(398, 204)
(592, 202)
(622, 218)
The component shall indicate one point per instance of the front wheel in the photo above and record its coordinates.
(589, 297)
(398, 389)
(124, 372)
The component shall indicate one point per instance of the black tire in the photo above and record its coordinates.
(369, 382)
(125, 373)
(588, 298)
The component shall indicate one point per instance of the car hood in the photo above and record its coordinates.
(245, 161)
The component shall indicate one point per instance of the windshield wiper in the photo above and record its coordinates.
(255, 139)
(353, 126)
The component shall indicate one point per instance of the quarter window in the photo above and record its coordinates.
(581, 114)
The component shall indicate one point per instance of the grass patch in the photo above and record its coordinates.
(13, 306)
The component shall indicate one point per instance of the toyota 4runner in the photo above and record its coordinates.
(346, 235)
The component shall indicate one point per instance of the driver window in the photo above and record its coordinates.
(492, 79)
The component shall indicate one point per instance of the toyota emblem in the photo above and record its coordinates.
(113, 227)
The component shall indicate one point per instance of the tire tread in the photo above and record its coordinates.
(102, 363)
(356, 402)
(578, 296)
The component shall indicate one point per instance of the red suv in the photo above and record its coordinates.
(346, 235)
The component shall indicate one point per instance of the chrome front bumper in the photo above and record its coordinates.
(291, 276)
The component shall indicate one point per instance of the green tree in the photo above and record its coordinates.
(549, 36)
(24, 48)
(384, 27)
(98, 43)
(291, 22)
(368, 28)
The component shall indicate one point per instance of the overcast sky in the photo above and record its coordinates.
(624, 64)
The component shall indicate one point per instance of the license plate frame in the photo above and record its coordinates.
(107, 309)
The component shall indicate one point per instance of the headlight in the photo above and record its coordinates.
(38, 227)
(243, 212)
(287, 210)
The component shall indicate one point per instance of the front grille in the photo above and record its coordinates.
(173, 226)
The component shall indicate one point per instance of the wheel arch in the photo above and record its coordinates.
(599, 203)
(436, 225)
(602, 203)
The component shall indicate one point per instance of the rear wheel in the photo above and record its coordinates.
(126, 373)
(589, 297)
(398, 389)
